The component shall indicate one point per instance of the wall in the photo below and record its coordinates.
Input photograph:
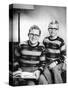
(40, 16)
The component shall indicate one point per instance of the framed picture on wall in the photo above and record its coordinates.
(37, 44)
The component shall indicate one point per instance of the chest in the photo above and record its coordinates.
(30, 51)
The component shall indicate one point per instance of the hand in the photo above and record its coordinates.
(64, 66)
(17, 73)
(37, 74)
(52, 65)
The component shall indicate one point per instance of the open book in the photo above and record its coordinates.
(24, 75)
(28, 75)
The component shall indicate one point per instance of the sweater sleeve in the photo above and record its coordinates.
(62, 52)
(17, 55)
(42, 60)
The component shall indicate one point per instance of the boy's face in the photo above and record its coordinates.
(53, 30)
(34, 36)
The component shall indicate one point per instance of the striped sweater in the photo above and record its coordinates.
(55, 49)
(31, 58)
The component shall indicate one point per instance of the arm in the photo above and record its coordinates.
(42, 61)
(62, 52)
(41, 65)
(16, 64)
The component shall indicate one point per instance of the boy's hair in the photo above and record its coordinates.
(35, 27)
(54, 22)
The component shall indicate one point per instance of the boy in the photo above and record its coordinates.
(32, 55)
(55, 53)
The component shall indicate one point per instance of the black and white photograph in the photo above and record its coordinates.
(37, 45)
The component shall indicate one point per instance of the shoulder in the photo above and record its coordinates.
(23, 43)
(46, 39)
(62, 43)
(42, 47)
(60, 39)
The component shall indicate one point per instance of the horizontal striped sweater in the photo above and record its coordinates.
(31, 57)
(55, 49)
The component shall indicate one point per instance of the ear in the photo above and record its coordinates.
(28, 34)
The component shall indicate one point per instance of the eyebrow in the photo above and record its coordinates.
(33, 33)
(53, 28)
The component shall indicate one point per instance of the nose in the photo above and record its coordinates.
(33, 37)
(51, 31)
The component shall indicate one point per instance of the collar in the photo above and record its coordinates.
(53, 39)
(32, 45)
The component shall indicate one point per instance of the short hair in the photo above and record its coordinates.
(35, 27)
(52, 23)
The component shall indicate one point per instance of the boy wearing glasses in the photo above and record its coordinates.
(55, 53)
(32, 55)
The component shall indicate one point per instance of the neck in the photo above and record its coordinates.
(53, 37)
(33, 44)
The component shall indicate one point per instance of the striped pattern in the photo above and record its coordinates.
(55, 49)
(31, 56)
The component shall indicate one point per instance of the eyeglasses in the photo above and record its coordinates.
(36, 35)
(53, 28)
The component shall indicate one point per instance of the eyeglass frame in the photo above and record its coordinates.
(53, 28)
(34, 34)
